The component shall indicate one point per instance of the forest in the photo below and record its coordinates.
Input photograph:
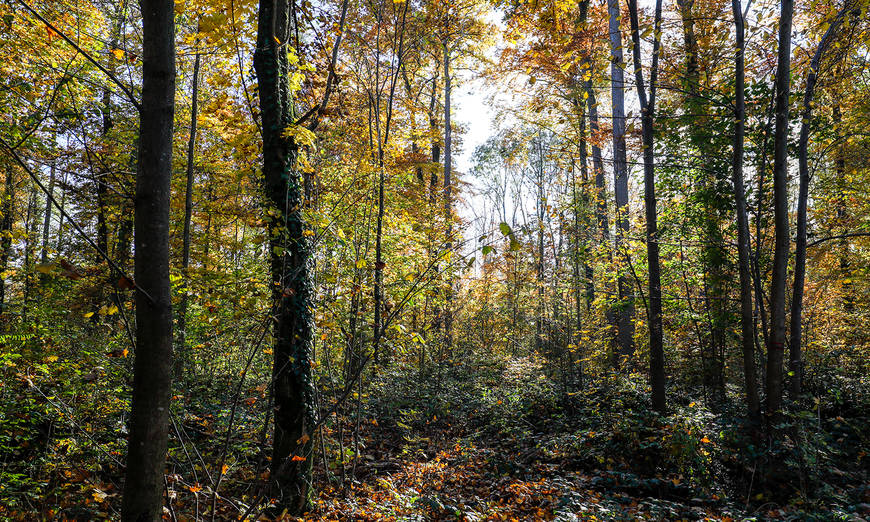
(434, 260)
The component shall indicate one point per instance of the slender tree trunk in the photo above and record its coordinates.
(60, 216)
(7, 209)
(584, 84)
(435, 151)
(597, 164)
(539, 269)
(101, 186)
(647, 107)
(448, 201)
(625, 306)
(714, 256)
(800, 254)
(383, 140)
(181, 351)
(747, 324)
(152, 379)
(290, 252)
(30, 220)
(46, 223)
(840, 168)
(776, 339)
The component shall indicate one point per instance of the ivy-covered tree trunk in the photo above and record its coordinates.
(152, 380)
(290, 477)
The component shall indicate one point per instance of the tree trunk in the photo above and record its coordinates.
(597, 164)
(776, 339)
(539, 268)
(7, 209)
(747, 324)
(46, 223)
(182, 354)
(714, 257)
(625, 306)
(800, 253)
(448, 202)
(152, 379)
(647, 107)
(291, 465)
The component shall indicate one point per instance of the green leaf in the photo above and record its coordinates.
(505, 228)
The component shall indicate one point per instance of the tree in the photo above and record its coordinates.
(7, 209)
(290, 255)
(747, 324)
(800, 255)
(181, 353)
(152, 378)
(625, 306)
(647, 108)
(776, 338)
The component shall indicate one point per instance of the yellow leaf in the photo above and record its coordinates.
(118, 53)
(125, 352)
(51, 358)
(112, 310)
(89, 315)
(224, 469)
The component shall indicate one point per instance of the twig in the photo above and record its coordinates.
(69, 218)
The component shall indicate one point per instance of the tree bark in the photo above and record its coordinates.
(46, 223)
(647, 107)
(747, 324)
(182, 354)
(625, 306)
(7, 209)
(448, 201)
(800, 254)
(291, 466)
(776, 339)
(152, 380)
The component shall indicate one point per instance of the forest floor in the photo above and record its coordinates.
(464, 481)
(499, 447)
(481, 438)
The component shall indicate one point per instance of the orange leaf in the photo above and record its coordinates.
(297, 458)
